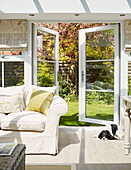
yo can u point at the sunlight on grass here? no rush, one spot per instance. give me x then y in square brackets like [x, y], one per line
[99, 111]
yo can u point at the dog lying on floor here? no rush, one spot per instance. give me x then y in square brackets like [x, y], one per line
[110, 132]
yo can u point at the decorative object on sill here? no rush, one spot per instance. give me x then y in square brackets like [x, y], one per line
[13, 34]
[128, 35]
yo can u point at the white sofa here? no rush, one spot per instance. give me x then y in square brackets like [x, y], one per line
[38, 132]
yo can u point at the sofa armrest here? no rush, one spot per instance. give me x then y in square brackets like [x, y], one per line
[57, 108]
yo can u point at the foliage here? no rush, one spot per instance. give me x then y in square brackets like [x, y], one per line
[48, 52]
[68, 39]
[67, 89]
[129, 85]
[100, 98]
[69, 45]
[44, 77]
[100, 46]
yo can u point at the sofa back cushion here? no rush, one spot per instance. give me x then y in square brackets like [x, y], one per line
[40, 101]
[14, 92]
[24, 121]
[10, 103]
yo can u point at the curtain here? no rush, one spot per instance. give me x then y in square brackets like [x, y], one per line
[13, 35]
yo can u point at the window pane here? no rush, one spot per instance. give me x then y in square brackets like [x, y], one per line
[100, 75]
[45, 46]
[100, 105]
[13, 73]
[45, 59]
[129, 78]
[100, 45]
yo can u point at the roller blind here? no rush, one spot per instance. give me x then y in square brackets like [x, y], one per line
[13, 34]
[128, 35]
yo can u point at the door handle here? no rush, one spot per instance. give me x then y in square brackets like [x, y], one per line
[82, 75]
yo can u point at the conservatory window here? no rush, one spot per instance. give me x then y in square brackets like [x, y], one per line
[11, 68]
[13, 41]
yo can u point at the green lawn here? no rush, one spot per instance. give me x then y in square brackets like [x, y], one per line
[99, 111]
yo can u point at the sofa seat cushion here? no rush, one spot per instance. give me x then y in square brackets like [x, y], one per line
[24, 121]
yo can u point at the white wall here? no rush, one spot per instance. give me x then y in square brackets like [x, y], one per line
[65, 6]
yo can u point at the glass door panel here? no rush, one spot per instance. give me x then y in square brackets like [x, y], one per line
[100, 75]
[99, 70]
[45, 56]
[100, 105]
[45, 59]
[100, 45]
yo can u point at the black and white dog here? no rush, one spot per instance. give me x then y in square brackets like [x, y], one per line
[111, 132]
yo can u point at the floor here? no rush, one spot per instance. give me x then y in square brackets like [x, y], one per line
[79, 150]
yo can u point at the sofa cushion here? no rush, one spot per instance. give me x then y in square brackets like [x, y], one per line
[13, 90]
[40, 101]
[24, 121]
[10, 103]
[29, 88]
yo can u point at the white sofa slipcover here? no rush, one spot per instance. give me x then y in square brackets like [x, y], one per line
[26, 120]
[40, 137]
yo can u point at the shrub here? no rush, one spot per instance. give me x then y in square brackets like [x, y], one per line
[44, 77]
[67, 89]
[100, 97]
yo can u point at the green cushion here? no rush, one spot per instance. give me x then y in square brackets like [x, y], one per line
[40, 101]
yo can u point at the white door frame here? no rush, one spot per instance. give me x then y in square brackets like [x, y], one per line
[35, 28]
[82, 74]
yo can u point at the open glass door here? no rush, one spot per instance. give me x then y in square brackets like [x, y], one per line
[99, 74]
[45, 56]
